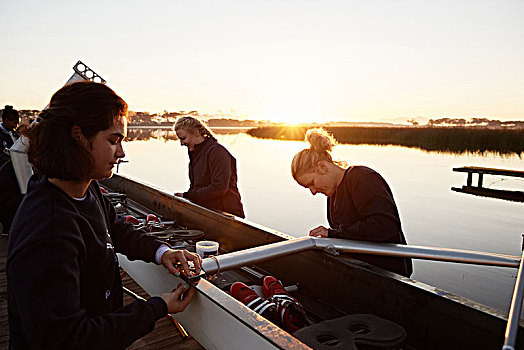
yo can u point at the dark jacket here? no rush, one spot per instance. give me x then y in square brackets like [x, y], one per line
[6, 142]
[213, 177]
[10, 195]
[64, 286]
[362, 208]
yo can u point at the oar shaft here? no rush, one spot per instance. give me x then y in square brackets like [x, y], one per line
[419, 252]
[253, 255]
[514, 311]
[249, 256]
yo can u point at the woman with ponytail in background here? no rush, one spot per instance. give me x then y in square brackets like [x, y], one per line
[212, 169]
[360, 203]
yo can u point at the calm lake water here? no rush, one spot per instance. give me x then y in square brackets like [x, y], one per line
[421, 182]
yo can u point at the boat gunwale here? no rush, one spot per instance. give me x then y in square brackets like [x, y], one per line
[165, 203]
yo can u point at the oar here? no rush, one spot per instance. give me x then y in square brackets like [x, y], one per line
[270, 251]
[514, 311]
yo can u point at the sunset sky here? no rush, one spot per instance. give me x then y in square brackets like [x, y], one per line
[280, 60]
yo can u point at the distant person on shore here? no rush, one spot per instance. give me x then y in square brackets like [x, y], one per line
[8, 134]
[63, 279]
[360, 203]
[10, 196]
[212, 169]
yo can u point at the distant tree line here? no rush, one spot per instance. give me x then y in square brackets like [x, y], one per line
[164, 119]
[169, 118]
[144, 134]
[220, 122]
[473, 122]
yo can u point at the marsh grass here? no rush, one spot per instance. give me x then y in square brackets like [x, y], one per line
[452, 139]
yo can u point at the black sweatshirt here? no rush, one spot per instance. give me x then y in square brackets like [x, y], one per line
[6, 142]
[64, 286]
[213, 177]
[10, 195]
[362, 208]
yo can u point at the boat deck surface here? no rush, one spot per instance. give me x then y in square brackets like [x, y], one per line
[164, 336]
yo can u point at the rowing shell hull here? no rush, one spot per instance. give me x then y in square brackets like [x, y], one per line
[213, 318]
[433, 318]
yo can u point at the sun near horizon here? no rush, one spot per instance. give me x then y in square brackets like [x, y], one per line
[293, 62]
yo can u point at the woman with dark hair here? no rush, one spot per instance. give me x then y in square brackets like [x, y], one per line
[64, 284]
[360, 203]
[8, 134]
[212, 169]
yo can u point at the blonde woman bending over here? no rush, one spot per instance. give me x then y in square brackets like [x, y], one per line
[212, 169]
[360, 203]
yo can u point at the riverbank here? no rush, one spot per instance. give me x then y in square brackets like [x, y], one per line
[455, 140]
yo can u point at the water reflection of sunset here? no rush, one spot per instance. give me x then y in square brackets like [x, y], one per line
[421, 182]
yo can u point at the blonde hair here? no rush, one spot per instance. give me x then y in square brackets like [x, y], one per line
[194, 126]
[321, 145]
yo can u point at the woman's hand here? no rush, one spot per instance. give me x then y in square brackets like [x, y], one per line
[320, 231]
[174, 301]
[172, 256]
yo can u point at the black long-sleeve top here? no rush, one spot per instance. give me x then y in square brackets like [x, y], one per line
[362, 208]
[10, 195]
[64, 285]
[6, 142]
[213, 178]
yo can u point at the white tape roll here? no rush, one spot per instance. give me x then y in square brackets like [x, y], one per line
[207, 248]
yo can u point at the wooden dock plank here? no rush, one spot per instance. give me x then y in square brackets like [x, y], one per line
[165, 335]
[490, 171]
[479, 190]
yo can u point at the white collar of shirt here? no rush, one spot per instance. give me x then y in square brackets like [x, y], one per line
[7, 131]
